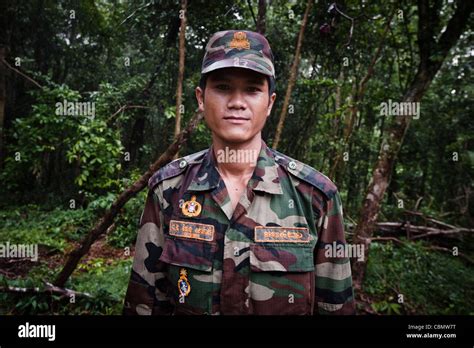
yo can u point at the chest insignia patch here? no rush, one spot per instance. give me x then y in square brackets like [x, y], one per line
[265, 234]
[193, 230]
[184, 287]
[191, 208]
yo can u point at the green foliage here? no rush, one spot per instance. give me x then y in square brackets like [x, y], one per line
[430, 282]
[14, 304]
[36, 137]
[30, 225]
[386, 307]
[104, 279]
[127, 223]
[98, 148]
[101, 278]
[96, 152]
[104, 283]
[89, 143]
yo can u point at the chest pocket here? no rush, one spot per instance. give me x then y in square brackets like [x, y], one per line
[190, 272]
[281, 278]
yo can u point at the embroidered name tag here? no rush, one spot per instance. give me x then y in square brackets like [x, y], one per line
[264, 234]
[193, 230]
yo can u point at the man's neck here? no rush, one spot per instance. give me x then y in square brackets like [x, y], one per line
[237, 160]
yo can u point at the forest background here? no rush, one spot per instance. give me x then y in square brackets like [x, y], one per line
[73, 183]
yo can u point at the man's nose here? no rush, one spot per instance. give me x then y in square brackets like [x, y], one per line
[237, 100]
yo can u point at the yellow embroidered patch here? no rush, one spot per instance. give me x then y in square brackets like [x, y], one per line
[184, 287]
[265, 234]
[193, 230]
[191, 208]
[240, 41]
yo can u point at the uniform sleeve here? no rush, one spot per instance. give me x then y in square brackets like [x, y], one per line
[333, 278]
[147, 289]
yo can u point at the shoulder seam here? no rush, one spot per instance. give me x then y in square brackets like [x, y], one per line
[283, 160]
[173, 168]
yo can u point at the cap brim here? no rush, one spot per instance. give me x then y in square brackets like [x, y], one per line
[231, 63]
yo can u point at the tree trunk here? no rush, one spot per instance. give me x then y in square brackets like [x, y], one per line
[3, 97]
[179, 88]
[261, 17]
[432, 55]
[292, 79]
[108, 218]
[6, 13]
[139, 125]
[136, 140]
[357, 96]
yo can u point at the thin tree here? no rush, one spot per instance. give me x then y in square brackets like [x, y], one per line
[357, 97]
[3, 98]
[261, 17]
[182, 51]
[292, 79]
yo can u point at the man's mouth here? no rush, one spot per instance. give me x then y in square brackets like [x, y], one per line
[236, 119]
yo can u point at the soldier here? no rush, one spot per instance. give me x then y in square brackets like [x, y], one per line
[239, 228]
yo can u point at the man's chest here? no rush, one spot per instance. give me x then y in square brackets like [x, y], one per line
[249, 258]
[235, 189]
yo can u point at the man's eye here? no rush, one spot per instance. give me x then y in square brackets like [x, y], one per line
[253, 89]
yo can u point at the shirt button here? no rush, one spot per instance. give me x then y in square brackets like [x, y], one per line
[292, 165]
[183, 164]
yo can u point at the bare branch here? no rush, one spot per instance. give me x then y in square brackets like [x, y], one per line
[249, 3]
[49, 288]
[22, 74]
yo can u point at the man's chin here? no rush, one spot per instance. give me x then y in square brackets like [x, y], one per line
[236, 138]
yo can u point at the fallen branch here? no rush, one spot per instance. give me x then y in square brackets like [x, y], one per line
[432, 247]
[387, 239]
[438, 248]
[429, 219]
[425, 231]
[435, 232]
[22, 259]
[49, 288]
[8, 274]
[108, 218]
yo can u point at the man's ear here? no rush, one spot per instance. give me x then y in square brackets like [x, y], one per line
[200, 98]
[270, 103]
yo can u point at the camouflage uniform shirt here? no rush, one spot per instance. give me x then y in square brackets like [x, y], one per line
[265, 257]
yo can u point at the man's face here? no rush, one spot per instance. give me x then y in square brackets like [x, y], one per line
[236, 104]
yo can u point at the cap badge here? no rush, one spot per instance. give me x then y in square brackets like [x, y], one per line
[240, 41]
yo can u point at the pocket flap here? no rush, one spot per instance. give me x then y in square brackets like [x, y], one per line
[188, 253]
[287, 258]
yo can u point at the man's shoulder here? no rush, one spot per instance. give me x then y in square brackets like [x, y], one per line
[306, 173]
[175, 168]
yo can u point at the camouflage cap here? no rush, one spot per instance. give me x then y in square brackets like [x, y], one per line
[238, 49]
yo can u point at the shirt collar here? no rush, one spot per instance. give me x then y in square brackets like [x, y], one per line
[264, 178]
